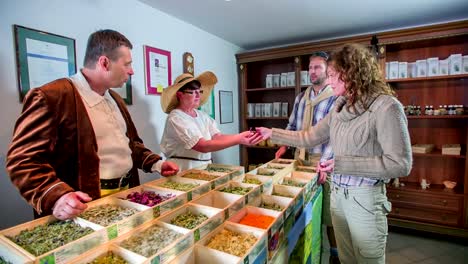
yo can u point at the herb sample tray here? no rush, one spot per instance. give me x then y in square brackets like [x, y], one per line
[249, 191]
[174, 182]
[222, 169]
[275, 232]
[228, 202]
[311, 185]
[267, 182]
[257, 253]
[178, 198]
[195, 255]
[297, 194]
[103, 251]
[10, 254]
[277, 203]
[116, 227]
[185, 217]
[61, 254]
[215, 179]
[162, 241]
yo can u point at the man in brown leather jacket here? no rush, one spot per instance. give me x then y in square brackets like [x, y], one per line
[75, 137]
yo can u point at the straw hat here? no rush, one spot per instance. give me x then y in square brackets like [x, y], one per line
[169, 99]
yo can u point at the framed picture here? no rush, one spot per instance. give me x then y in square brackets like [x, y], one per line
[225, 107]
[125, 91]
[42, 57]
[157, 69]
[209, 106]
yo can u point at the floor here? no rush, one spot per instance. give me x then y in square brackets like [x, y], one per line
[404, 246]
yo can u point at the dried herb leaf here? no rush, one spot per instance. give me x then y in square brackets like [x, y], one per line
[189, 220]
[109, 258]
[232, 243]
[107, 214]
[150, 241]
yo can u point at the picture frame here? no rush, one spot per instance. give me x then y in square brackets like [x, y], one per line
[209, 106]
[126, 91]
[226, 114]
[157, 69]
[42, 57]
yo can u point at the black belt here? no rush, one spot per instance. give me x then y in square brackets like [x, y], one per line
[109, 184]
[189, 158]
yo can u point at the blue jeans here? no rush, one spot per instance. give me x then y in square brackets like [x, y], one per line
[359, 217]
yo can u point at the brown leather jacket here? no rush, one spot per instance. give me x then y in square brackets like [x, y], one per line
[54, 149]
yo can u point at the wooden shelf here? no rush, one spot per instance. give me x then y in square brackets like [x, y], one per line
[270, 89]
[433, 189]
[443, 77]
[437, 116]
[267, 118]
[438, 153]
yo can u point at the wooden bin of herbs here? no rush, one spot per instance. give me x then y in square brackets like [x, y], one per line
[234, 243]
[108, 253]
[294, 193]
[311, 183]
[196, 255]
[156, 241]
[215, 179]
[49, 240]
[299, 182]
[269, 220]
[285, 205]
[232, 171]
[192, 188]
[228, 202]
[248, 191]
[117, 216]
[197, 218]
[160, 200]
[265, 182]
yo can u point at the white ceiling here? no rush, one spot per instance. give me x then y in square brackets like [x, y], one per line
[254, 24]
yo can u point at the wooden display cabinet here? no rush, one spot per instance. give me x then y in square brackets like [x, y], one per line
[435, 209]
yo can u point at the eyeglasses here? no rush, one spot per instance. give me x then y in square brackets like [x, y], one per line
[322, 54]
[193, 92]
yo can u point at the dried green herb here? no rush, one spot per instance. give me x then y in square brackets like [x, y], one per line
[189, 220]
[217, 169]
[109, 258]
[252, 181]
[265, 172]
[236, 190]
[200, 176]
[271, 206]
[269, 166]
[4, 261]
[150, 241]
[232, 243]
[107, 214]
[310, 170]
[44, 238]
[179, 186]
[283, 194]
[289, 182]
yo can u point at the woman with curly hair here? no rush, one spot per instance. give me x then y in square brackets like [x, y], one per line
[371, 144]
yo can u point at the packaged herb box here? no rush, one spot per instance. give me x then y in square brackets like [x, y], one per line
[156, 241]
[59, 230]
[252, 249]
[222, 170]
[269, 220]
[108, 253]
[200, 219]
[192, 188]
[178, 198]
[116, 215]
[249, 191]
[266, 182]
[229, 203]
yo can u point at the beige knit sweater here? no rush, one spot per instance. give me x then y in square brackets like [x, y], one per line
[373, 143]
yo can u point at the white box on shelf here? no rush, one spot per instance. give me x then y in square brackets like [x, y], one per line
[433, 66]
[250, 110]
[284, 109]
[422, 68]
[465, 64]
[284, 79]
[268, 109]
[291, 78]
[403, 69]
[455, 64]
[304, 77]
[269, 81]
[412, 70]
[387, 69]
[258, 109]
[393, 72]
[444, 67]
[276, 109]
[276, 80]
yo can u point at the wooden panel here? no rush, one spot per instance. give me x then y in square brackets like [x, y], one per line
[425, 215]
[451, 203]
[258, 71]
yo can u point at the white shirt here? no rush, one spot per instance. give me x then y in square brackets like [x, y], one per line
[182, 132]
[109, 128]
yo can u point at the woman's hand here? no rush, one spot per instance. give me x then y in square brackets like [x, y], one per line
[265, 132]
[250, 138]
[323, 169]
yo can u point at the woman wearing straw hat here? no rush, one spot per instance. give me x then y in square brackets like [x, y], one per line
[191, 135]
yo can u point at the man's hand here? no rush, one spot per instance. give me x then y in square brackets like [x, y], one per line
[169, 168]
[280, 152]
[70, 205]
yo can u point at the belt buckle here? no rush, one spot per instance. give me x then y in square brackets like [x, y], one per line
[125, 177]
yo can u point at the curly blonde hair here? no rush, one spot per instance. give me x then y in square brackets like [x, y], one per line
[361, 73]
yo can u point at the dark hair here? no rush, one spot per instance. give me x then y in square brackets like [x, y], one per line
[321, 54]
[360, 71]
[193, 85]
[104, 42]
